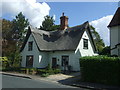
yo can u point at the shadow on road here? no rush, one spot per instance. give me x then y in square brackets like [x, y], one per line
[70, 81]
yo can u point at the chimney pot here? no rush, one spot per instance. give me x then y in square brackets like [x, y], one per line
[63, 14]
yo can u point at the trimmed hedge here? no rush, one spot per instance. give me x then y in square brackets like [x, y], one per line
[100, 69]
[11, 69]
[50, 71]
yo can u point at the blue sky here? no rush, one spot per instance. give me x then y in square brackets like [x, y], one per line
[99, 14]
[79, 12]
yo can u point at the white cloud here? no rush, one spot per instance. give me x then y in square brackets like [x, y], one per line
[32, 10]
[101, 27]
[54, 17]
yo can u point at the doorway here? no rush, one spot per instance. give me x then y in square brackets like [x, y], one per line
[54, 62]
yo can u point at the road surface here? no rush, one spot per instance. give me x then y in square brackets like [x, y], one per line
[19, 82]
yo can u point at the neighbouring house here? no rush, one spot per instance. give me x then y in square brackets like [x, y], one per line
[114, 27]
[60, 48]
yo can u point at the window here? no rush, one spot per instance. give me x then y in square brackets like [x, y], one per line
[85, 43]
[29, 61]
[65, 60]
[30, 46]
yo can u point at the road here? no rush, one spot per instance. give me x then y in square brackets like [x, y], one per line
[19, 82]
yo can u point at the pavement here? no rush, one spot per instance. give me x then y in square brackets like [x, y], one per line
[72, 79]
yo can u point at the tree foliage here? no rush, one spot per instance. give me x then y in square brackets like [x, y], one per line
[97, 39]
[48, 24]
[13, 33]
[8, 43]
[19, 25]
[106, 51]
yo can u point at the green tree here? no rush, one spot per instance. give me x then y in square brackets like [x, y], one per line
[106, 51]
[13, 35]
[19, 27]
[19, 32]
[48, 24]
[98, 41]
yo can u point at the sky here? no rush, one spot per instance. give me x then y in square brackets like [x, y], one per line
[99, 14]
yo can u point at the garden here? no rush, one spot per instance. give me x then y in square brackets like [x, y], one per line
[6, 67]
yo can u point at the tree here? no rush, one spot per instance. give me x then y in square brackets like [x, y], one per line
[19, 25]
[8, 42]
[106, 51]
[98, 41]
[12, 38]
[48, 24]
[19, 31]
[6, 28]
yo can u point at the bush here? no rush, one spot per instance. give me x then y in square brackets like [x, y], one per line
[16, 69]
[4, 62]
[100, 69]
[48, 71]
[56, 71]
[45, 75]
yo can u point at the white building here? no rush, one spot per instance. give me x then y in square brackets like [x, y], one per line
[114, 27]
[58, 48]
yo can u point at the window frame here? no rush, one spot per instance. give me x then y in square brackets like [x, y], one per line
[30, 46]
[64, 56]
[85, 43]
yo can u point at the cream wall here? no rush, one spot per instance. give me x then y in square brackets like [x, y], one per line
[73, 58]
[90, 50]
[40, 59]
[114, 39]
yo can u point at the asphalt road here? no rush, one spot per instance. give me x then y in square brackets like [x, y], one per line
[19, 82]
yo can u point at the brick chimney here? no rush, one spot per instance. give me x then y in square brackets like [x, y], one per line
[63, 22]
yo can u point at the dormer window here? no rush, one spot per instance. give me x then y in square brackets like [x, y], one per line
[85, 43]
[30, 46]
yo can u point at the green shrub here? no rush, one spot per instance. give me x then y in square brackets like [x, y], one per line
[15, 69]
[48, 67]
[56, 71]
[100, 69]
[4, 62]
[50, 71]
[45, 75]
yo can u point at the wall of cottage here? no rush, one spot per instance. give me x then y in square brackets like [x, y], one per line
[90, 50]
[73, 59]
[40, 59]
[114, 39]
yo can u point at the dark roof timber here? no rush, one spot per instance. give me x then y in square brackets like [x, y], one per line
[61, 40]
[116, 19]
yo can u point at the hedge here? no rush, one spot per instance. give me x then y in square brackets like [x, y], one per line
[4, 62]
[100, 69]
[50, 71]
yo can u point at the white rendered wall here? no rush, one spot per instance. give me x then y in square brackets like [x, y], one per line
[39, 58]
[90, 50]
[73, 58]
[114, 39]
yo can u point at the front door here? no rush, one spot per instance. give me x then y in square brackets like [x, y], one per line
[54, 62]
[29, 61]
